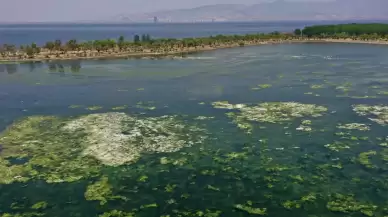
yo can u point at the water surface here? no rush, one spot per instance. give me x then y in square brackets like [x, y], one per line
[275, 167]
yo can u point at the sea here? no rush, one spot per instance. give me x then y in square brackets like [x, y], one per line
[273, 130]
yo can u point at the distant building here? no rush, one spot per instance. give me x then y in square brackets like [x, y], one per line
[156, 19]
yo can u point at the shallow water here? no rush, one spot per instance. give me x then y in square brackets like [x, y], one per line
[274, 167]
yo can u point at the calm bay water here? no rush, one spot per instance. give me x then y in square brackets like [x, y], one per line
[275, 167]
[41, 33]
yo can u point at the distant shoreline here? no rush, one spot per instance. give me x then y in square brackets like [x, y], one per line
[74, 55]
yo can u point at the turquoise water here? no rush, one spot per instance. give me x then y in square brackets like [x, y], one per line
[275, 167]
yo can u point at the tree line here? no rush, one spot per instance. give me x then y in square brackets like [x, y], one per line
[138, 41]
[353, 29]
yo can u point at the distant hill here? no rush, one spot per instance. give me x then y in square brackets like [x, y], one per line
[268, 11]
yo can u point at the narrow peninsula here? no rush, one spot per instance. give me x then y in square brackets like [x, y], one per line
[145, 46]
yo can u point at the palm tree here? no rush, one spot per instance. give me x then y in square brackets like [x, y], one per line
[50, 45]
[57, 44]
[72, 44]
[121, 42]
[30, 52]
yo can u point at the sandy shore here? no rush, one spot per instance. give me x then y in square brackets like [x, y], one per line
[80, 55]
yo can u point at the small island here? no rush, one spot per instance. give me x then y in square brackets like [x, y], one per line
[144, 45]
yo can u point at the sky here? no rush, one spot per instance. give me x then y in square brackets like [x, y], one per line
[86, 10]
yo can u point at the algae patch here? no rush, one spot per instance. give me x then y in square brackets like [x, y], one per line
[274, 112]
[251, 210]
[94, 108]
[50, 153]
[271, 112]
[69, 149]
[101, 191]
[117, 138]
[262, 86]
[378, 112]
[348, 204]
[117, 213]
[354, 126]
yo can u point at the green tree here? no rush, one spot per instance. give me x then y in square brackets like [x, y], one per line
[72, 44]
[57, 44]
[49, 45]
[97, 44]
[298, 32]
[30, 52]
[9, 48]
[35, 48]
[121, 42]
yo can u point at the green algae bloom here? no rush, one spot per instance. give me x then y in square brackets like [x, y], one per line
[169, 188]
[337, 146]
[164, 160]
[152, 205]
[240, 122]
[75, 106]
[94, 108]
[309, 198]
[101, 191]
[117, 213]
[201, 118]
[382, 92]
[354, 126]
[384, 144]
[226, 105]
[109, 138]
[304, 128]
[348, 204]
[42, 141]
[316, 86]
[270, 112]
[274, 112]
[379, 113]
[12, 173]
[262, 86]
[25, 214]
[306, 122]
[116, 138]
[145, 106]
[364, 159]
[384, 154]
[251, 210]
[40, 205]
[119, 107]
[142, 178]
[193, 213]
[210, 187]
[292, 204]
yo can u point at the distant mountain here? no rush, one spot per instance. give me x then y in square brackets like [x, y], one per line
[267, 11]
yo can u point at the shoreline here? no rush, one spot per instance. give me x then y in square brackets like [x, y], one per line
[74, 55]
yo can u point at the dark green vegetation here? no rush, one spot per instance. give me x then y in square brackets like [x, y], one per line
[361, 31]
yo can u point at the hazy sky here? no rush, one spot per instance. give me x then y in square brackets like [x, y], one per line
[76, 10]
